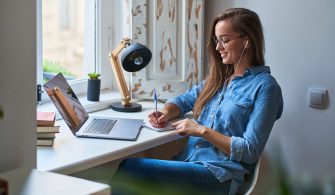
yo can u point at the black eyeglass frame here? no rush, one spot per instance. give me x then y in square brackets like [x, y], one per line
[223, 42]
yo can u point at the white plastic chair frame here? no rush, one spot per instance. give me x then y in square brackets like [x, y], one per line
[254, 178]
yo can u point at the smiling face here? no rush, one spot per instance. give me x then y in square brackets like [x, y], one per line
[230, 43]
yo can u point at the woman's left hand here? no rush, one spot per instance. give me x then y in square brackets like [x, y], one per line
[189, 127]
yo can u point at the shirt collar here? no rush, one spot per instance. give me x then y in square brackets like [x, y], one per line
[258, 69]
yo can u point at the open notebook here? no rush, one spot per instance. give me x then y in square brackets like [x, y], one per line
[167, 127]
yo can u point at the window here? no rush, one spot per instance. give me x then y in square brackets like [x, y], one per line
[63, 35]
[74, 37]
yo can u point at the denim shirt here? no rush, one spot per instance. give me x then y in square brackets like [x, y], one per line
[245, 111]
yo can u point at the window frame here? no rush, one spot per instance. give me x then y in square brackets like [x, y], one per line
[105, 17]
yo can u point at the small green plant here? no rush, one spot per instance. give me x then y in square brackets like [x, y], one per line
[94, 75]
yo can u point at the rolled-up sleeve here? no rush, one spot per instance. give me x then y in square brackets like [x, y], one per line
[186, 101]
[267, 109]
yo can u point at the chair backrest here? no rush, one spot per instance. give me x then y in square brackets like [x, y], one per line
[254, 178]
[250, 181]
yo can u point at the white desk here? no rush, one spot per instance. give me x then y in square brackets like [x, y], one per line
[71, 154]
[34, 182]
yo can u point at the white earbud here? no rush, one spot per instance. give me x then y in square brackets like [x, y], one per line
[246, 44]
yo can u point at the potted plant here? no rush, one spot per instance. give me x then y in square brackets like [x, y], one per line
[93, 87]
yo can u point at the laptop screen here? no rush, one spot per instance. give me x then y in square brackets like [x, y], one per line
[66, 102]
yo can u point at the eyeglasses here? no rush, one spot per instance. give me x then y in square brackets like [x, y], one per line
[222, 41]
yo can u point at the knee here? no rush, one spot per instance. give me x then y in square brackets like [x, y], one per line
[134, 166]
[129, 163]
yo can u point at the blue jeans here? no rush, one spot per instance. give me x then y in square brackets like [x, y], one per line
[153, 176]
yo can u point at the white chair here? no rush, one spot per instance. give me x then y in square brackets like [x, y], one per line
[250, 181]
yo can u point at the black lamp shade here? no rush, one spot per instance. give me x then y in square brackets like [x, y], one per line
[135, 57]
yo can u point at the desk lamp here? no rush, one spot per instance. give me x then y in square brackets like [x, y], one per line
[134, 57]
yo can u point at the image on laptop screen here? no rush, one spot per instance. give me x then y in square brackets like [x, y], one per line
[78, 114]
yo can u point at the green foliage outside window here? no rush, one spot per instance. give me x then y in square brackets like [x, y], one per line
[55, 67]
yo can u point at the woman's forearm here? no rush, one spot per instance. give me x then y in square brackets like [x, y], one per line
[171, 111]
[222, 142]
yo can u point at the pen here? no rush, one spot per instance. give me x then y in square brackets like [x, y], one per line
[155, 101]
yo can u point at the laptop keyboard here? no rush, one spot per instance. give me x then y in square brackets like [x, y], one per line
[100, 126]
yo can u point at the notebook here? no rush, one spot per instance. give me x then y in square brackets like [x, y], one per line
[78, 120]
[168, 126]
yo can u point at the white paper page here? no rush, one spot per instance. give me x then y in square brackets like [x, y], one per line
[167, 126]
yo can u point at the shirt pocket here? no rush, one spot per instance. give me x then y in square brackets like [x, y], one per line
[236, 108]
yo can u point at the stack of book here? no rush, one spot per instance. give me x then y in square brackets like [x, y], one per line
[47, 128]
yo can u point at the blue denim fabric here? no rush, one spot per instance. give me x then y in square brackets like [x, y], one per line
[246, 110]
[182, 177]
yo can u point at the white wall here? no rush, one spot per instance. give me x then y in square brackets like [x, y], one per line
[300, 49]
[17, 84]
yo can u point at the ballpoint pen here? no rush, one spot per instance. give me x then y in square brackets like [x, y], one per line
[155, 101]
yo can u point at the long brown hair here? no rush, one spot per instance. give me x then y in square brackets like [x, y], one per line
[246, 23]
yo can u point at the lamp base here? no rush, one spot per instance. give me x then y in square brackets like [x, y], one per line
[135, 107]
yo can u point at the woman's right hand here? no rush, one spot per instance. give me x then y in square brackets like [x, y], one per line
[157, 119]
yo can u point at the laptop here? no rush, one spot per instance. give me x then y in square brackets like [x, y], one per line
[77, 119]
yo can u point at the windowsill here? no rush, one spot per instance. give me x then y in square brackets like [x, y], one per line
[106, 98]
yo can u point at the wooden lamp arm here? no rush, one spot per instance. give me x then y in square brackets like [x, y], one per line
[121, 81]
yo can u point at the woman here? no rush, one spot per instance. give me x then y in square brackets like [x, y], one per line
[234, 109]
